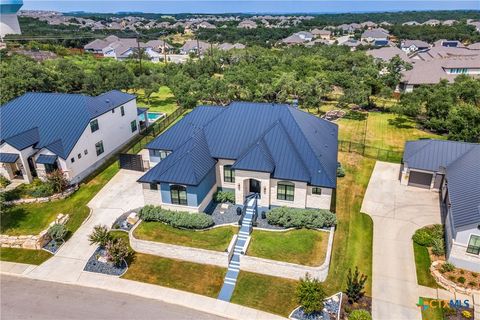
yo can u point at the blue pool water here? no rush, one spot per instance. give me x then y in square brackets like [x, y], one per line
[152, 116]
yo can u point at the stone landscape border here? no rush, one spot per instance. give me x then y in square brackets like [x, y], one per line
[56, 196]
[217, 258]
[448, 284]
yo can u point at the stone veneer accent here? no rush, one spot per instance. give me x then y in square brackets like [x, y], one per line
[33, 242]
[449, 285]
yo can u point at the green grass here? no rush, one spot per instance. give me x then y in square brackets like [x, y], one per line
[271, 294]
[161, 101]
[432, 313]
[306, 247]
[35, 257]
[193, 277]
[422, 265]
[216, 239]
[352, 244]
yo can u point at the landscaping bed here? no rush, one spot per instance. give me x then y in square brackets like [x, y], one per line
[428, 245]
[99, 265]
[303, 246]
[459, 277]
[330, 312]
[216, 239]
[52, 246]
[365, 303]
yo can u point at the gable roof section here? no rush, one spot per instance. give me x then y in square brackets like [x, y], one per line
[463, 177]
[433, 155]
[53, 120]
[265, 137]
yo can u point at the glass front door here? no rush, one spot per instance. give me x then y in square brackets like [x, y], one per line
[254, 186]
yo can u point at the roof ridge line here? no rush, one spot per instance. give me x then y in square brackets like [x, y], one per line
[473, 147]
[333, 181]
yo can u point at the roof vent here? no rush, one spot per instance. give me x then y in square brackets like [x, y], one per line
[107, 100]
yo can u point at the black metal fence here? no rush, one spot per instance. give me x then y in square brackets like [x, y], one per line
[370, 152]
[155, 129]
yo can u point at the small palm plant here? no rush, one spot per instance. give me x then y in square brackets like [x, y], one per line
[100, 235]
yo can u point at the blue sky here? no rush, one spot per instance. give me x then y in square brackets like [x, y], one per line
[246, 6]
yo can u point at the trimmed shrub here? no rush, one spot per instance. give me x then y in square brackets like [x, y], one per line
[340, 172]
[176, 219]
[117, 251]
[447, 266]
[461, 279]
[427, 235]
[438, 247]
[310, 294]
[57, 181]
[42, 190]
[100, 235]
[360, 315]
[355, 285]
[57, 232]
[4, 181]
[301, 218]
[224, 196]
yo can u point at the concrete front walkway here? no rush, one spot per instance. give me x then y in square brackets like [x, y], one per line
[397, 211]
[120, 194]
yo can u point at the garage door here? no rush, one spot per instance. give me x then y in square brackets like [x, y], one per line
[420, 179]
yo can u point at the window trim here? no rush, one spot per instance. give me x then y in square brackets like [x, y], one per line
[132, 127]
[317, 193]
[475, 249]
[230, 178]
[94, 125]
[177, 190]
[282, 191]
[99, 143]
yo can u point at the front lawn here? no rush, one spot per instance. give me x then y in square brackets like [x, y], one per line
[35, 257]
[271, 294]
[216, 239]
[352, 243]
[422, 265]
[304, 246]
[182, 275]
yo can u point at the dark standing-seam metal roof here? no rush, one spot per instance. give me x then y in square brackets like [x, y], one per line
[8, 157]
[277, 138]
[433, 155]
[463, 179]
[46, 159]
[53, 120]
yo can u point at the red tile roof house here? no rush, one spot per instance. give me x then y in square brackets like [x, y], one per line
[286, 156]
[42, 132]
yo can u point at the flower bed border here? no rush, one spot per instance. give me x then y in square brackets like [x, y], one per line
[56, 196]
[448, 284]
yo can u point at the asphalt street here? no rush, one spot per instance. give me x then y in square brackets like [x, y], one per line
[22, 298]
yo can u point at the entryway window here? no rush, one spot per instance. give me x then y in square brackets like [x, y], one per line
[285, 191]
[474, 244]
[178, 194]
[228, 174]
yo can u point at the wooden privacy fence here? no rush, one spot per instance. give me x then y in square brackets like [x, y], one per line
[370, 152]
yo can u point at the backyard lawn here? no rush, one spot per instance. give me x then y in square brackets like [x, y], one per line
[193, 277]
[271, 294]
[422, 265]
[161, 101]
[35, 257]
[216, 239]
[304, 246]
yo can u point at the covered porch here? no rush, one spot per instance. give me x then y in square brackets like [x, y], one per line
[11, 167]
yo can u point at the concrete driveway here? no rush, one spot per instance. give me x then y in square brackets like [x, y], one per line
[120, 194]
[397, 211]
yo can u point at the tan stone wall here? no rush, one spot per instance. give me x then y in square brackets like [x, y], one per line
[219, 174]
[153, 197]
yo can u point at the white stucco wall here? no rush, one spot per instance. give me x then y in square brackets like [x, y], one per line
[219, 174]
[321, 201]
[299, 197]
[242, 186]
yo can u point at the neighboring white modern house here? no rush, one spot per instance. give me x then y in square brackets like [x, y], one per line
[43, 132]
[411, 46]
[285, 156]
[453, 169]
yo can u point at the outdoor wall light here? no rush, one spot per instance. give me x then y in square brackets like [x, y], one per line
[264, 190]
[239, 187]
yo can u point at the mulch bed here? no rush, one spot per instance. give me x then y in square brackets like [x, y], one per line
[365, 303]
[471, 279]
[456, 314]
[94, 265]
[330, 310]
[52, 246]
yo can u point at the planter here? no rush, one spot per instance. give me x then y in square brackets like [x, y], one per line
[98, 264]
[331, 310]
[448, 284]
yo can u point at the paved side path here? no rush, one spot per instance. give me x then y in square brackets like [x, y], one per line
[397, 211]
[120, 194]
[50, 300]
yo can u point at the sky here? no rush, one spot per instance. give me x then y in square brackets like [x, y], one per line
[246, 6]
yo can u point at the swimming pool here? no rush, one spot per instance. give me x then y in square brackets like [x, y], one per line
[151, 116]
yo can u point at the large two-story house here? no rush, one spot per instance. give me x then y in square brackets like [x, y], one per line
[286, 156]
[43, 132]
[453, 169]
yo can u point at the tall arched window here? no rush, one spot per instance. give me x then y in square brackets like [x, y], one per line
[178, 194]
[285, 191]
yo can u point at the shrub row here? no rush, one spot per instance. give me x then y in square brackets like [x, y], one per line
[224, 196]
[176, 219]
[427, 236]
[301, 218]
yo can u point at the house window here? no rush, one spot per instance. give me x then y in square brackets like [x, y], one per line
[99, 147]
[285, 191]
[228, 174]
[178, 194]
[122, 110]
[85, 151]
[474, 245]
[133, 125]
[317, 190]
[72, 160]
[94, 125]
[49, 168]
[153, 186]
[79, 156]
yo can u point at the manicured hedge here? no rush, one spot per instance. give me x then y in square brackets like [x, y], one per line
[176, 219]
[224, 196]
[301, 218]
[427, 236]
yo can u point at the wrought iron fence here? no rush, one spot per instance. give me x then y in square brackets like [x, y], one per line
[370, 152]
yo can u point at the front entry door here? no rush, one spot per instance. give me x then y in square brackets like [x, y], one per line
[254, 186]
